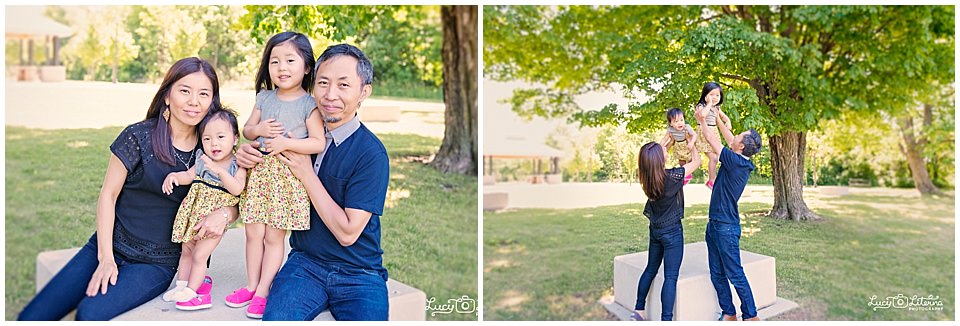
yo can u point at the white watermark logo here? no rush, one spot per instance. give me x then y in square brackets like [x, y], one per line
[914, 303]
[461, 305]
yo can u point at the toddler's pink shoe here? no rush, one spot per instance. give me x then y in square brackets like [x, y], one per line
[239, 298]
[687, 179]
[255, 310]
[201, 301]
[710, 185]
[206, 286]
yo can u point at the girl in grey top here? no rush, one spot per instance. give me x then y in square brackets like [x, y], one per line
[285, 118]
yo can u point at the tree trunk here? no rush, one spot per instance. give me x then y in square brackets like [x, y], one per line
[786, 160]
[116, 56]
[458, 152]
[912, 149]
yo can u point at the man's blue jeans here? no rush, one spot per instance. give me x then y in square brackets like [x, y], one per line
[666, 245]
[723, 252]
[137, 283]
[304, 287]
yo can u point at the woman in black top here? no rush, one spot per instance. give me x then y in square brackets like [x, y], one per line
[664, 208]
[130, 259]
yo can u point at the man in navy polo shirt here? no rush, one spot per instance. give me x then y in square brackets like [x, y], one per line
[338, 263]
[723, 228]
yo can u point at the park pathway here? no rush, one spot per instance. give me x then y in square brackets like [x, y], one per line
[81, 104]
[585, 195]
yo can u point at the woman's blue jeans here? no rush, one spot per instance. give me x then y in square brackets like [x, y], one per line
[137, 283]
[666, 245]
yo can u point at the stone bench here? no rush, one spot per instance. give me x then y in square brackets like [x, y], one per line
[554, 178]
[494, 201]
[696, 297]
[858, 182]
[379, 113]
[489, 180]
[227, 268]
[834, 190]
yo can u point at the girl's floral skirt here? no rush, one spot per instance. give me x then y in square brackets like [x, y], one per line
[275, 197]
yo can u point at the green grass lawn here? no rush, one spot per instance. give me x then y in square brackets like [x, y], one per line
[53, 179]
[542, 264]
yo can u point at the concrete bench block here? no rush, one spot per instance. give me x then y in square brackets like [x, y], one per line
[227, 268]
[53, 73]
[379, 113]
[554, 178]
[834, 190]
[489, 180]
[493, 201]
[696, 297]
[50, 262]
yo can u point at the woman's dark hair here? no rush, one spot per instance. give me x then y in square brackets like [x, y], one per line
[707, 88]
[672, 113]
[305, 50]
[224, 114]
[161, 138]
[650, 170]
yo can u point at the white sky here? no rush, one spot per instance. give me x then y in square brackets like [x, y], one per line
[500, 122]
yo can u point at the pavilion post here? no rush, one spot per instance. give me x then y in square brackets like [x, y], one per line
[22, 60]
[56, 50]
[30, 52]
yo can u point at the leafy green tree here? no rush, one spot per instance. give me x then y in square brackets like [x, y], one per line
[165, 35]
[784, 68]
[940, 150]
[227, 46]
[458, 151]
[103, 42]
[120, 44]
[583, 162]
[618, 152]
[917, 128]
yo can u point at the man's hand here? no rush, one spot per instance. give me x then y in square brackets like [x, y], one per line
[299, 164]
[248, 156]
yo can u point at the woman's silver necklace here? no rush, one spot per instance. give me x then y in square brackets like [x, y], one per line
[188, 160]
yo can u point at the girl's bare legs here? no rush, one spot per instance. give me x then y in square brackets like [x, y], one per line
[255, 233]
[186, 261]
[183, 270]
[713, 166]
[272, 258]
[201, 252]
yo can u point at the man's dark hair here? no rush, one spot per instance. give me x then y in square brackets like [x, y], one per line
[752, 143]
[364, 67]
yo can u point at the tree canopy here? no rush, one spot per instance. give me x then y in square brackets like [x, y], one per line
[783, 67]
